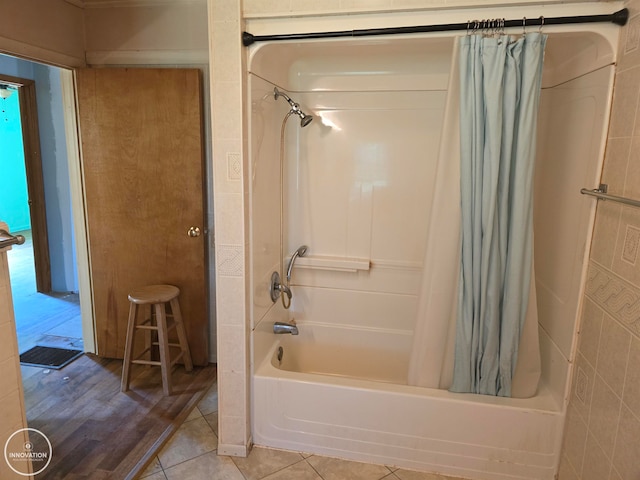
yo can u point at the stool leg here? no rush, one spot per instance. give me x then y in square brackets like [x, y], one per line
[182, 334]
[148, 313]
[165, 358]
[128, 347]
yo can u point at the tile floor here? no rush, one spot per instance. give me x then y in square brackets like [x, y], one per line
[191, 455]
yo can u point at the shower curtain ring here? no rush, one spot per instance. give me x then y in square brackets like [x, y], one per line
[524, 26]
[541, 24]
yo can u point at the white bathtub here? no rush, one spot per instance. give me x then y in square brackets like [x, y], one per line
[331, 395]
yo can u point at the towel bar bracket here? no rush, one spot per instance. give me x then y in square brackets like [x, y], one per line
[601, 194]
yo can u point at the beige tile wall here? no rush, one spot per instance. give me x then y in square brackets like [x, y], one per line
[227, 87]
[602, 436]
[12, 414]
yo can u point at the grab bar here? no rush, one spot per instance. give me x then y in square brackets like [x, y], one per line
[601, 193]
[6, 239]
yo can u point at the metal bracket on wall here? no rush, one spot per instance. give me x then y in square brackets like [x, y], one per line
[601, 194]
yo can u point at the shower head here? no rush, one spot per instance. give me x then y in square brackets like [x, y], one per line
[305, 118]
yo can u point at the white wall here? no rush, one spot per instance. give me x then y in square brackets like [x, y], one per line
[50, 31]
[129, 33]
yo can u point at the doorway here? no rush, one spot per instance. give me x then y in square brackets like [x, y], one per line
[35, 177]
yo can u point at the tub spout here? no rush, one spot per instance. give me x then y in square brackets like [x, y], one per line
[281, 327]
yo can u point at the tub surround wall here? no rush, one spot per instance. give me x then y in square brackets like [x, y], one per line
[366, 228]
[571, 138]
[267, 116]
[602, 433]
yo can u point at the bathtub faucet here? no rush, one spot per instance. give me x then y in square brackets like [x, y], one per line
[276, 288]
[283, 289]
[281, 327]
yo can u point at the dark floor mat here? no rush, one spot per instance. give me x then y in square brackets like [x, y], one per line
[49, 357]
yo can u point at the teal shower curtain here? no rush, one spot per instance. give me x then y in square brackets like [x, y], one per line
[500, 80]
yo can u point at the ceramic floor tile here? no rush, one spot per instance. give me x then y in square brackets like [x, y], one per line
[298, 471]
[413, 475]
[212, 420]
[265, 461]
[195, 413]
[209, 466]
[209, 402]
[153, 467]
[338, 469]
[191, 440]
[155, 476]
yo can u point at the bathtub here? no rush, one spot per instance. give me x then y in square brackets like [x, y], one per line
[342, 392]
[340, 387]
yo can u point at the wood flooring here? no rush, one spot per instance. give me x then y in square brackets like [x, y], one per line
[98, 432]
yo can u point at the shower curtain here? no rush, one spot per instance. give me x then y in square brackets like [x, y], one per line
[431, 362]
[500, 84]
[493, 296]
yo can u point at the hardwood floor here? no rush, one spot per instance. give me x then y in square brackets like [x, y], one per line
[98, 432]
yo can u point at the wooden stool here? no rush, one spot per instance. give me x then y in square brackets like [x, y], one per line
[156, 296]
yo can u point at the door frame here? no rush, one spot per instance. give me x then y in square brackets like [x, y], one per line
[35, 185]
[76, 186]
[35, 182]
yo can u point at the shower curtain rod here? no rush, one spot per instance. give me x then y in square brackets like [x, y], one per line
[619, 18]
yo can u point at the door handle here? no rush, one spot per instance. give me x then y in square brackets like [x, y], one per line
[193, 232]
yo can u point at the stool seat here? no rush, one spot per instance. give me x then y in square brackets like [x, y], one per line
[153, 294]
[154, 300]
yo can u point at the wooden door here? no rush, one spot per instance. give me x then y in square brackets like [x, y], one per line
[142, 156]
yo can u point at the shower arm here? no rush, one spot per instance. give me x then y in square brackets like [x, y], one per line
[305, 118]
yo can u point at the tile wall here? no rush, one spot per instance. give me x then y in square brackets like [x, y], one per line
[231, 240]
[602, 434]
